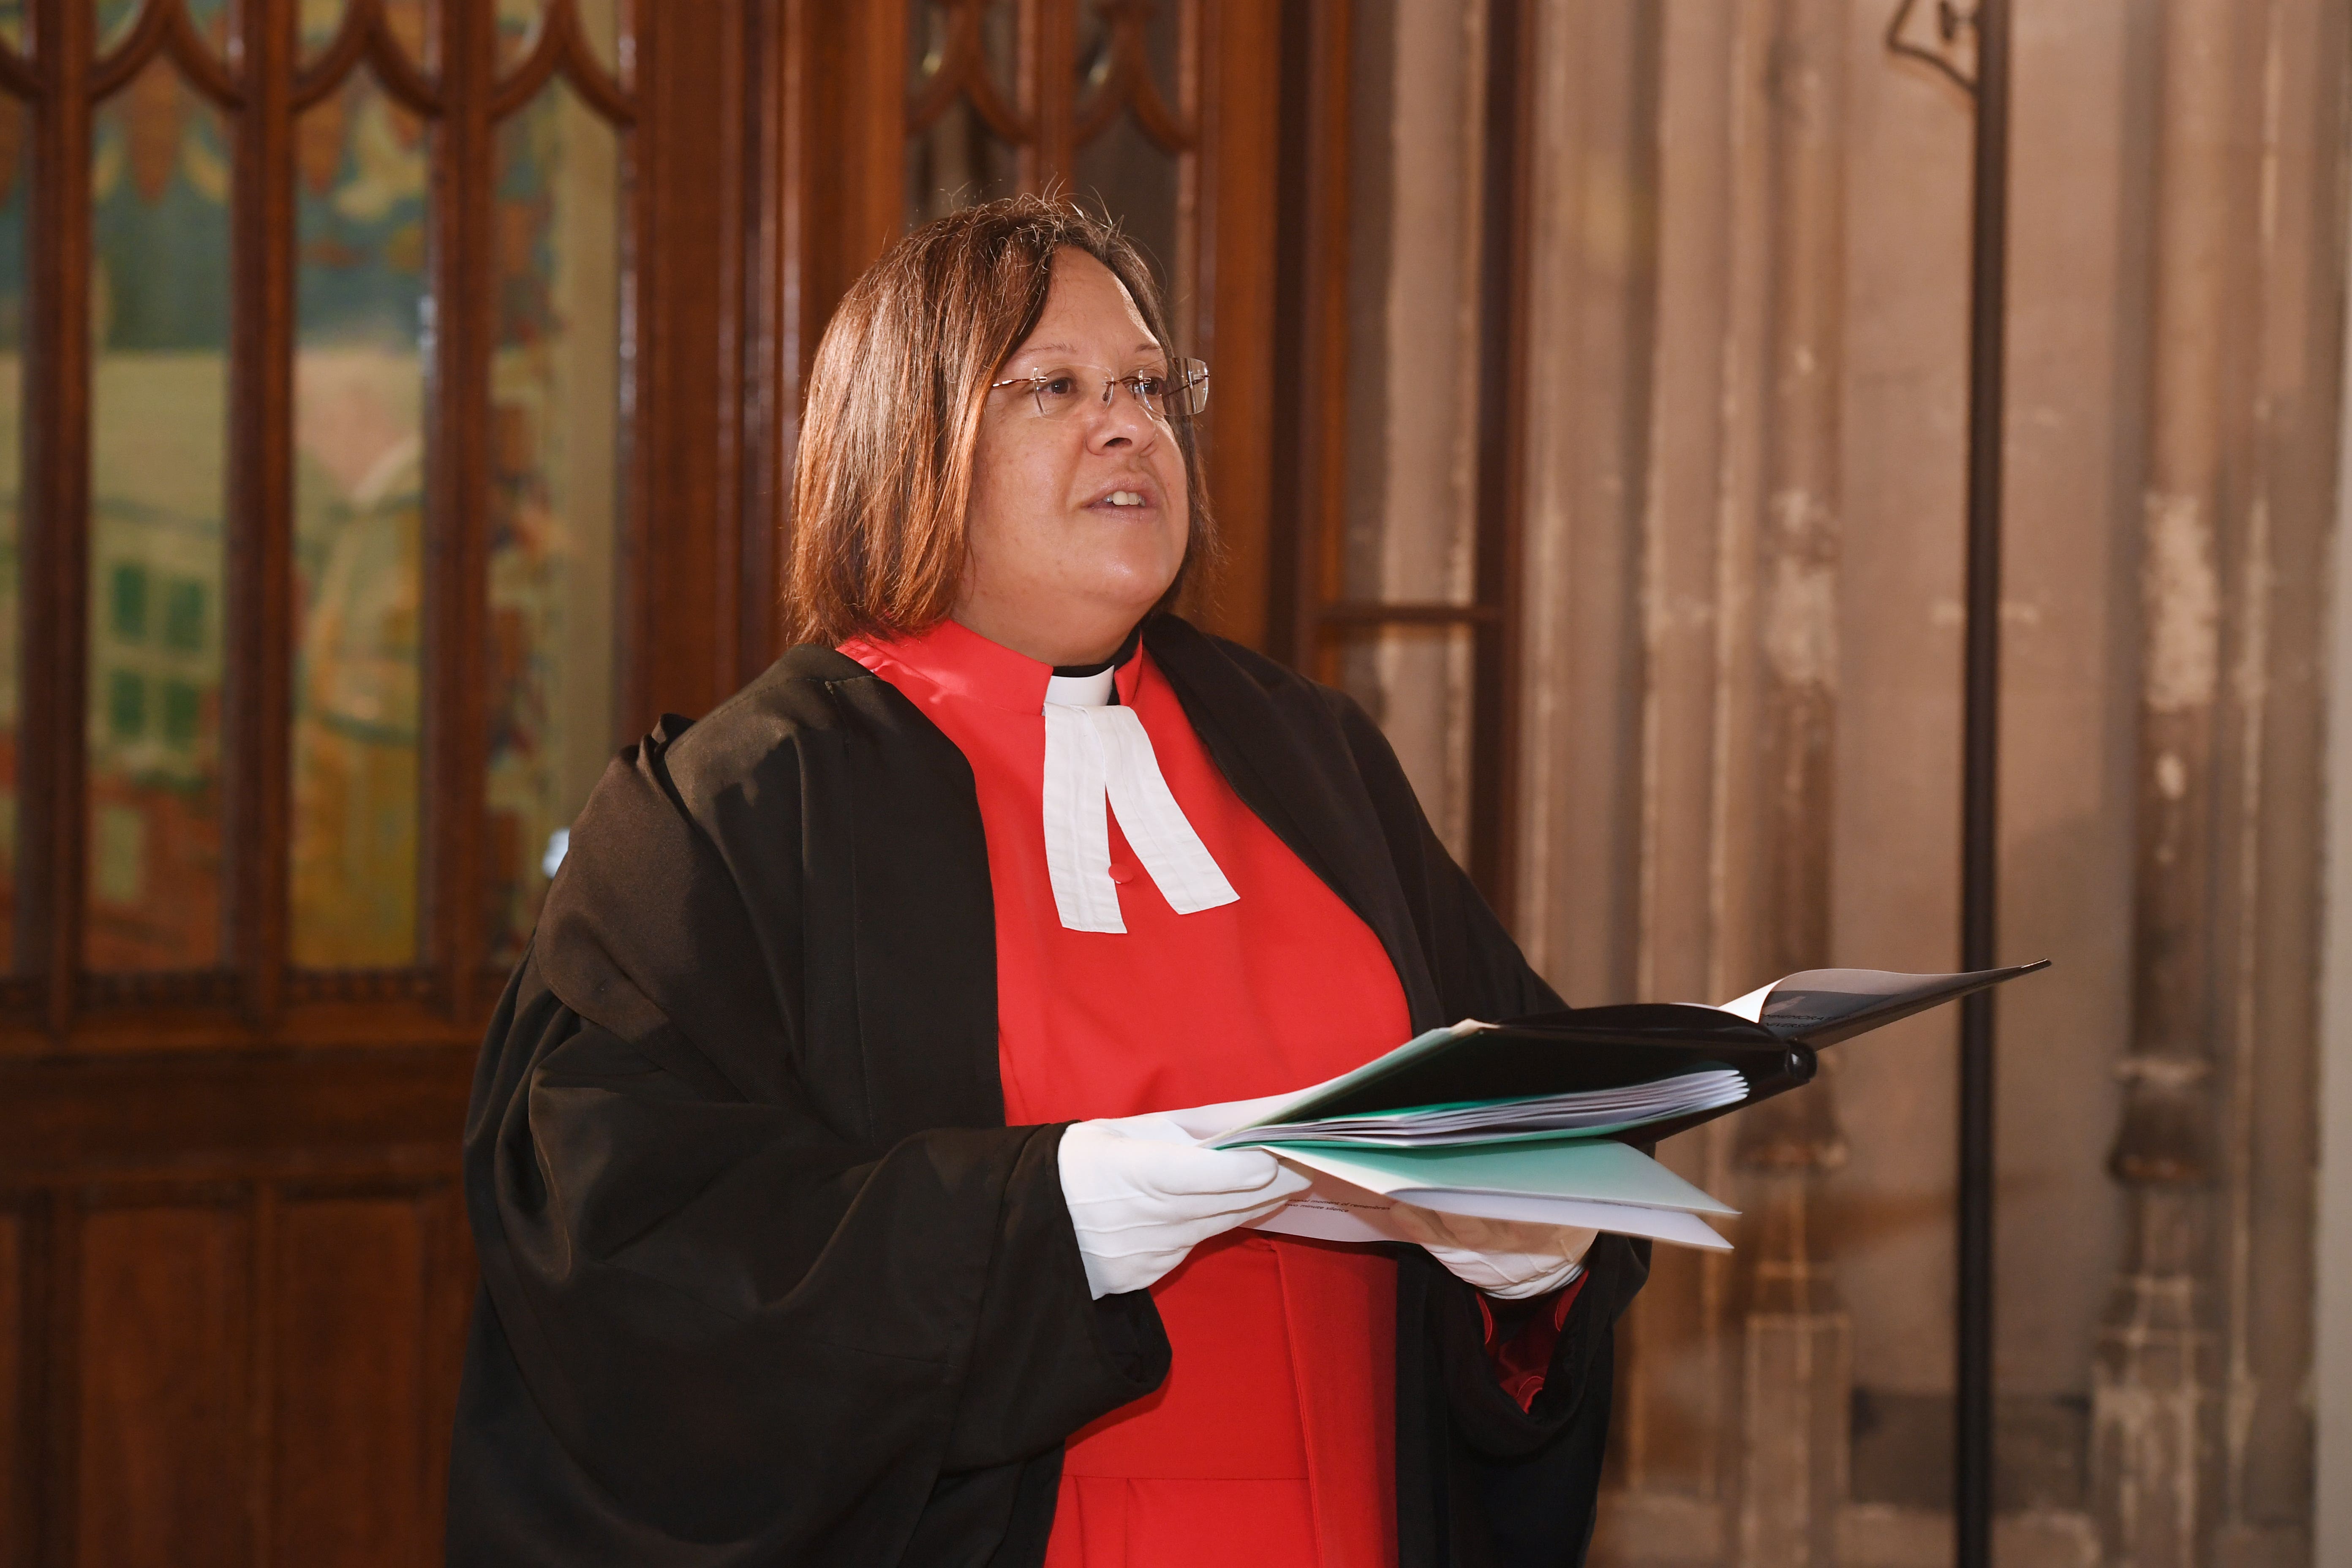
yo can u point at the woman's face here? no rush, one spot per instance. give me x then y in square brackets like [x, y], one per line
[1077, 522]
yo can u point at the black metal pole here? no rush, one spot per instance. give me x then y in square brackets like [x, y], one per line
[1972, 1454]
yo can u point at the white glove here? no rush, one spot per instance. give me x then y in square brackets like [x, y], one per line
[1503, 1257]
[1143, 1194]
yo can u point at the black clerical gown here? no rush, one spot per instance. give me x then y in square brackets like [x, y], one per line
[765, 1278]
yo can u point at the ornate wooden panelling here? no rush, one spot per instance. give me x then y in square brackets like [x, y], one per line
[367, 1312]
[234, 1371]
[234, 1300]
[16, 1406]
[160, 1290]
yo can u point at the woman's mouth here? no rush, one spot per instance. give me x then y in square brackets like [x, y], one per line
[1122, 500]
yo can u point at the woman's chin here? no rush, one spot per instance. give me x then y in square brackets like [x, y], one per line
[1106, 616]
[1123, 577]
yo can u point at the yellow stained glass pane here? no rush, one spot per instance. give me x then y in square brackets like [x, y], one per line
[321, 20]
[603, 22]
[556, 389]
[358, 494]
[12, 24]
[416, 26]
[160, 181]
[15, 173]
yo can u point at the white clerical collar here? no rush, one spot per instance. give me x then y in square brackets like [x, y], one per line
[1093, 691]
[1098, 760]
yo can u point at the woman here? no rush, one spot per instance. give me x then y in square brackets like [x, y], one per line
[822, 1212]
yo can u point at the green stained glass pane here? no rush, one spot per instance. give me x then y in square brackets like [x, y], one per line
[130, 601]
[184, 616]
[16, 128]
[126, 704]
[12, 24]
[161, 195]
[358, 430]
[556, 442]
[183, 714]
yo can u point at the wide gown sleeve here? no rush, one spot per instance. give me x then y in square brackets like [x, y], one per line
[731, 1313]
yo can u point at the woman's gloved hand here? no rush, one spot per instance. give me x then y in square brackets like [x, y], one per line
[1503, 1257]
[1142, 1193]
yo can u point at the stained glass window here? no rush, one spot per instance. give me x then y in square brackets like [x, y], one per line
[558, 462]
[160, 185]
[361, 292]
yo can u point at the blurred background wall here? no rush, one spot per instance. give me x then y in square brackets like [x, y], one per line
[396, 409]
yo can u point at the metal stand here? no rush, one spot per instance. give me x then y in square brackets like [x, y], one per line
[1972, 1452]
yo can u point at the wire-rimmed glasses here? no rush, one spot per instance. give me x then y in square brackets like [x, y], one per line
[1178, 393]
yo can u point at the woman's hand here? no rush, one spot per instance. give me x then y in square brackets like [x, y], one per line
[1503, 1257]
[1143, 1194]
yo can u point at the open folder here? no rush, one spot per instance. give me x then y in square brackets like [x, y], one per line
[1534, 1118]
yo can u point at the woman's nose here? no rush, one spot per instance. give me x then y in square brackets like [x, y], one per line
[1120, 419]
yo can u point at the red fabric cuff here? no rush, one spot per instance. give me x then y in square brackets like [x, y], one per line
[1520, 1363]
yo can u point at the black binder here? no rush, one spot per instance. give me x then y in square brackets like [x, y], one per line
[1641, 1042]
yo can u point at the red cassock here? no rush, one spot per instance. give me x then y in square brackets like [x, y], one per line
[1272, 1440]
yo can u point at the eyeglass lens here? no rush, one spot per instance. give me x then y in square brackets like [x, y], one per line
[1178, 394]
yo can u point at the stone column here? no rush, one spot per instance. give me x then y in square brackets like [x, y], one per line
[2153, 1387]
[1798, 1378]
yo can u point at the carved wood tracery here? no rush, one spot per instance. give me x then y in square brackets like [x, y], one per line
[1124, 80]
[367, 34]
[163, 29]
[19, 77]
[562, 48]
[1128, 82]
[963, 72]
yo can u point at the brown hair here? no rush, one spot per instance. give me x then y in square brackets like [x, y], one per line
[884, 469]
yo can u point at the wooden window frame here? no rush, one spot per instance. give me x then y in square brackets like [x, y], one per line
[252, 995]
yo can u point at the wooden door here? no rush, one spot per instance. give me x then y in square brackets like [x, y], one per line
[397, 400]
